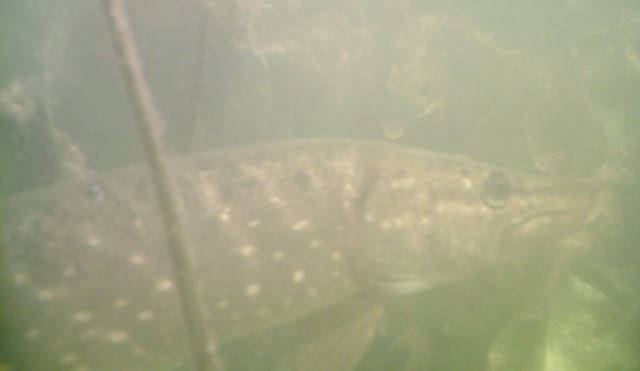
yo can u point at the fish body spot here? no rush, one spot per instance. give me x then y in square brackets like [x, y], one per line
[82, 317]
[210, 196]
[120, 303]
[68, 358]
[222, 304]
[46, 295]
[247, 250]
[97, 193]
[263, 312]
[33, 334]
[274, 200]
[300, 225]
[312, 292]
[164, 285]
[405, 183]
[117, 337]
[348, 187]
[467, 183]
[20, 278]
[252, 290]
[298, 276]
[69, 272]
[288, 303]
[138, 223]
[145, 316]
[225, 215]
[137, 259]
[398, 222]
[93, 240]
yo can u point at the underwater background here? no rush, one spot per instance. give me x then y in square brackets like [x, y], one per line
[549, 86]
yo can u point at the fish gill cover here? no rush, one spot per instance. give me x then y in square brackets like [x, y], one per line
[546, 87]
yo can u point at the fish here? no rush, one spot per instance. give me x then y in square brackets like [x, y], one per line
[279, 233]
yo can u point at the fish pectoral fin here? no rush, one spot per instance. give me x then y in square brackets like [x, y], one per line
[333, 339]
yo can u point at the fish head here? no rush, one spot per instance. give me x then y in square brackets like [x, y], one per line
[440, 219]
[527, 212]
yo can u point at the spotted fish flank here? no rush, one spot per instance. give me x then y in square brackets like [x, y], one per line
[278, 231]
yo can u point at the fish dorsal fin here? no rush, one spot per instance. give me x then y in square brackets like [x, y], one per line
[333, 339]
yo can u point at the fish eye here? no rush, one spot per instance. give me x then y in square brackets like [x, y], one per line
[497, 189]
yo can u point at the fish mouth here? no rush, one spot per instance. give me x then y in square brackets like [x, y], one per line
[565, 219]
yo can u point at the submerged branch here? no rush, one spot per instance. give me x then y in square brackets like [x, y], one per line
[200, 336]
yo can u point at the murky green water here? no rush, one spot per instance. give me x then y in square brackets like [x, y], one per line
[547, 87]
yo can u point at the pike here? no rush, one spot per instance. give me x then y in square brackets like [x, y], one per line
[280, 232]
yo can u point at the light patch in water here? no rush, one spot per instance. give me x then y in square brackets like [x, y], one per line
[254, 223]
[211, 198]
[315, 243]
[252, 290]
[300, 225]
[263, 312]
[46, 295]
[222, 304]
[118, 337]
[405, 183]
[247, 250]
[69, 272]
[145, 316]
[120, 303]
[33, 334]
[274, 200]
[278, 255]
[164, 285]
[348, 187]
[337, 255]
[93, 240]
[298, 276]
[68, 358]
[312, 292]
[98, 193]
[225, 215]
[137, 259]
[369, 218]
[138, 223]
[82, 316]
[467, 183]
[288, 303]
[20, 277]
